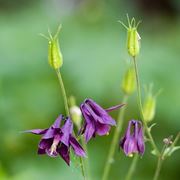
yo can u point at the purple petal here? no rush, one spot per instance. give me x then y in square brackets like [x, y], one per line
[89, 131]
[128, 131]
[41, 151]
[45, 143]
[64, 153]
[66, 130]
[114, 107]
[141, 145]
[122, 141]
[79, 151]
[36, 131]
[57, 122]
[130, 146]
[49, 133]
[102, 129]
[85, 113]
[98, 113]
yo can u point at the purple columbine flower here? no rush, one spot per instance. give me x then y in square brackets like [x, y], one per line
[97, 119]
[133, 141]
[58, 140]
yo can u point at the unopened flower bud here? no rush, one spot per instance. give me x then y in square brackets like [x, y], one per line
[55, 58]
[168, 140]
[129, 81]
[149, 106]
[75, 112]
[133, 38]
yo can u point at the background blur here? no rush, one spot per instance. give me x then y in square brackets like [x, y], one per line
[93, 44]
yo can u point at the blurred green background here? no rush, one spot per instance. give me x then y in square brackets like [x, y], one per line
[93, 44]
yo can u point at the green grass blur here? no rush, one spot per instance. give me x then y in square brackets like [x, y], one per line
[93, 44]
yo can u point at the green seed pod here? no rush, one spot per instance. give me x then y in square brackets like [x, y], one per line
[54, 55]
[149, 108]
[75, 112]
[133, 38]
[129, 81]
[133, 43]
[55, 58]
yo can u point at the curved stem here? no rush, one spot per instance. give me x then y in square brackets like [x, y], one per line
[141, 109]
[113, 145]
[132, 167]
[63, 92]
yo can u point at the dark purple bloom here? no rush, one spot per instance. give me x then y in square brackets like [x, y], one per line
[133, 141]
[97, 119]
[58, 140]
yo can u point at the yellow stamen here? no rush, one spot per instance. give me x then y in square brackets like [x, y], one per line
[130, 155]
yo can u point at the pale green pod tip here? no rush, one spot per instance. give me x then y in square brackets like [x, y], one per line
[129, 81]
[133, 37]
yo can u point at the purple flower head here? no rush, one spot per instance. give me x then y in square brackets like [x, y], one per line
[97, 119]
[58, 140]
[133, 141]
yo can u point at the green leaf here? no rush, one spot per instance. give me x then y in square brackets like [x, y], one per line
[169, 151]
[154, 152]
[152, 125]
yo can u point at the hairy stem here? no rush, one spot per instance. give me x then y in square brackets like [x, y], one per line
[114, 143]
[141, 108]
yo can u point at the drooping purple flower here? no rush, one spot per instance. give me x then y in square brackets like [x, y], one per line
[133, 141]
[97, 119]
[58, 140]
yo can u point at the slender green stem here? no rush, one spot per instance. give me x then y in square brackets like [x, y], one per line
[63, 92]
[113, 145]
[132, 167]
[141, 109]
[159, 163]
[86, 162]
[68, 113]
[82, 168]
[158, 168]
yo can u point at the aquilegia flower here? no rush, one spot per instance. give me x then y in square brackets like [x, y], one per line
[133, 141]
[58, 140]
[97, 119]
